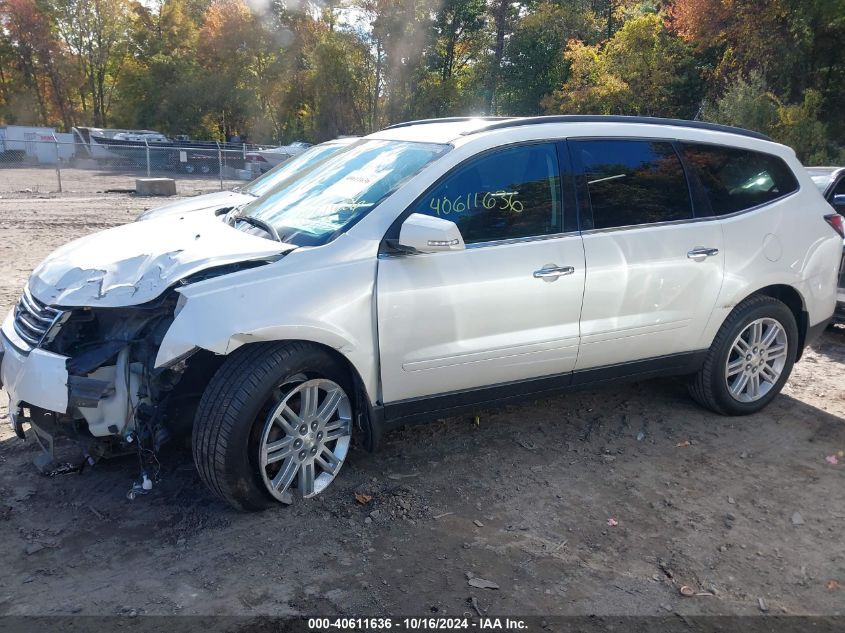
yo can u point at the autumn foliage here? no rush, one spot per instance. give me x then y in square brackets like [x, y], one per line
[280, 70]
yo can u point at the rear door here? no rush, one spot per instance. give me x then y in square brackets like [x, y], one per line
[654, 271]
[504, 309]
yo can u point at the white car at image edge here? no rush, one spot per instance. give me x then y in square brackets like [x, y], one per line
[427, 269]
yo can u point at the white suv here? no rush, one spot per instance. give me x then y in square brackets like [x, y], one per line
[426, 269]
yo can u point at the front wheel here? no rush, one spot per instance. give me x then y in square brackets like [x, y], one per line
[750, 359]
[274, 421]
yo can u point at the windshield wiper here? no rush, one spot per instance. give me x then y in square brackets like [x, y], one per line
[261, 224]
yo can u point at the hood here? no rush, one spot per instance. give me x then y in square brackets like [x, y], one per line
[205, 202]
[134, 263]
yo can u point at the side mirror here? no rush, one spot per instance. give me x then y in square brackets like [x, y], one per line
[427, 234]
[839, 203]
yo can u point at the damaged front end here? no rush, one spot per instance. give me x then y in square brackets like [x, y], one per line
[87, 374]
[77, 352]
[114, 399]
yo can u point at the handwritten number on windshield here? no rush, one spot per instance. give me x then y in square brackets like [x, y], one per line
[502, 200]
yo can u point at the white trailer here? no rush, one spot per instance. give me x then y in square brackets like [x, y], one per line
[42, 145]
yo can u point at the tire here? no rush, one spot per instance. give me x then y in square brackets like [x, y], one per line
[189, 168]
[712, 386]
[240, 411]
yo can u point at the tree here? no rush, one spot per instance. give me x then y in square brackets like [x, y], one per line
[534, 64]
[96, 32]
[591, 87]
[338, 85]
[32, 49]
[643, 69]
[747, 103]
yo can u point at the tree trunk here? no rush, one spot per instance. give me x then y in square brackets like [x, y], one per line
[376, 87]
[500, 17]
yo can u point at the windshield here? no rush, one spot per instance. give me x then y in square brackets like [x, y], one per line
[285, 170]
[314, 205]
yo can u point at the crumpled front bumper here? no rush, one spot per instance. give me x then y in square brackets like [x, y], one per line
[35, 377]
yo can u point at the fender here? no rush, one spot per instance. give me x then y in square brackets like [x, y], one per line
[329, 303]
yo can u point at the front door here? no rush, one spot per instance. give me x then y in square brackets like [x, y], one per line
[506, 308]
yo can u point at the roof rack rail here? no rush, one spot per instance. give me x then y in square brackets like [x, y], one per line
[454, 119]
[595, 118]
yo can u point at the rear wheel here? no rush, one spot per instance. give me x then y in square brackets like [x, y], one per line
[275, 421]
[750, 359]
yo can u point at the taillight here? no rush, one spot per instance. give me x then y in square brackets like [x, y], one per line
[837, 222]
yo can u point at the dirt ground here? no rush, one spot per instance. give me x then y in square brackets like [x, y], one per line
[745, 511]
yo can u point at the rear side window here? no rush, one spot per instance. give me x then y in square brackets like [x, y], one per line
[738, 179]
[633, 182]
[507, 194]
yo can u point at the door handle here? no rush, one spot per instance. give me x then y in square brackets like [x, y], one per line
[700, 254]
[550, 272]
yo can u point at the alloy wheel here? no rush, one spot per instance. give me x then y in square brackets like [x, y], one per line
[305, 439]
[756, 360]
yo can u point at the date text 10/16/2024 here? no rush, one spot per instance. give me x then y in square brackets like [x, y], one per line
[417, 624]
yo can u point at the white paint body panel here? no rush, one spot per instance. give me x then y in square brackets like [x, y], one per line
[477, 317]
[808, 261]
[323, 294]
[644, 297]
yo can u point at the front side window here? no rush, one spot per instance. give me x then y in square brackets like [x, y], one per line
[507, 194]
[313, 206]
[738, 179]
[633, 182]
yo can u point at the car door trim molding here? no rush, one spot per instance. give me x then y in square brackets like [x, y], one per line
[498, 353]
[393, 414]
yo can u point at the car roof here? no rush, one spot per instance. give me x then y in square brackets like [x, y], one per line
[452, 129]
[433, 130]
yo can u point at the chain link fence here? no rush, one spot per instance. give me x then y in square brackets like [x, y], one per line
[53, 166]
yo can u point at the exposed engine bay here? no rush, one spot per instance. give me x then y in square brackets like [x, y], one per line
[118, 401]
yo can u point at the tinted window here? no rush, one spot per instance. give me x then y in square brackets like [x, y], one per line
[737, 179]
[507, 194]
[633, 182]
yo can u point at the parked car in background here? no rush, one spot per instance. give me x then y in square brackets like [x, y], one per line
[831, 182]
[428, 269]
[256, 188]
